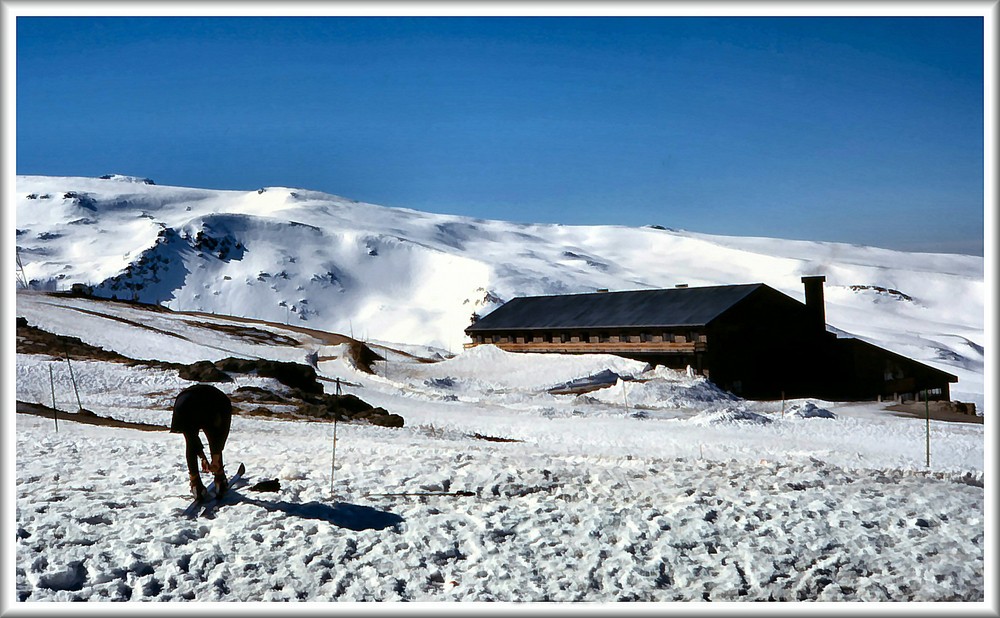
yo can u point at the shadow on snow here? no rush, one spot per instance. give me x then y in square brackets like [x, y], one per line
[342, 514]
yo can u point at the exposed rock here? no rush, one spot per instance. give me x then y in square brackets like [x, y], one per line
[293, 375]
[362, 356]
[203, 371]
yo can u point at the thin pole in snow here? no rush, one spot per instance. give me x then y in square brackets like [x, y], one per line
[55, 411]
[927, 411]
[624, 397]
[73, 379]
[333, 462]
[22, 278]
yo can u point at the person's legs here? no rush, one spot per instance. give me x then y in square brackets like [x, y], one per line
[217, 431]
[193, 450]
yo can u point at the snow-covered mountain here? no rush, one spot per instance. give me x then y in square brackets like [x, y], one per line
[399, 275]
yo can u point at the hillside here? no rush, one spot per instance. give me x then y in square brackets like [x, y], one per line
[396, 275]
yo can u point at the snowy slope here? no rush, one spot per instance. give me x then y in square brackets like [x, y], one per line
[660, 488]
[399, 275]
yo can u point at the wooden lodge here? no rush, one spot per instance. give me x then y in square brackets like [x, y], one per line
[751, 340]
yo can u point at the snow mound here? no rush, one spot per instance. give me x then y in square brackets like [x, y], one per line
[730, 415]
[665, 388]
[810, 410]
[601, 379]
[528, 371]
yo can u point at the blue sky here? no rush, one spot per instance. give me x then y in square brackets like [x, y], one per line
[861, 130]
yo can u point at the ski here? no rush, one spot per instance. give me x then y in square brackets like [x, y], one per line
[211, 499]
[235, 482]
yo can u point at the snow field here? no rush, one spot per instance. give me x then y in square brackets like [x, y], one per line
[539, 527]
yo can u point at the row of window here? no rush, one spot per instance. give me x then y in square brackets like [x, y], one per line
[587, 337]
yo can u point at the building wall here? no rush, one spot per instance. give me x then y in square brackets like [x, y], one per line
[869, 372]
[766, 347]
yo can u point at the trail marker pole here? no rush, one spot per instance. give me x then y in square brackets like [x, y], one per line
[927, 411]
[333, 463]
[73, 379]
[55, 411]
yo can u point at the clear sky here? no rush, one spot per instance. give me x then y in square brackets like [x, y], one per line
[861, 130]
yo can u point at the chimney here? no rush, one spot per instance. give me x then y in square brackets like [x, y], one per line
[814, 301]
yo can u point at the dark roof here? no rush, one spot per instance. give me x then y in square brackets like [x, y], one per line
[640, 308]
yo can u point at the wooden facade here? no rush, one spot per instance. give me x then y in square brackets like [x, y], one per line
[748, 339]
